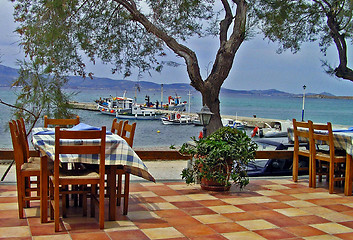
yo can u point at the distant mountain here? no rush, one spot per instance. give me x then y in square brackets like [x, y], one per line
[8, 75]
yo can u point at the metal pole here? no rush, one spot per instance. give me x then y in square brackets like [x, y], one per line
[161, 96]
[303, 103]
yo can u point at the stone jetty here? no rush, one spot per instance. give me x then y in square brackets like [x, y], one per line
[251, 122]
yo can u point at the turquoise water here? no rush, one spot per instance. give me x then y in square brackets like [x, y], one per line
[337, 111]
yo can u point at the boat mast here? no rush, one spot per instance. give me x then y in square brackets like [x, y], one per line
[189, 101]
[161, 95]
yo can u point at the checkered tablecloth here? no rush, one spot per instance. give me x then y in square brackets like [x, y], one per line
[117, 152]
[342, 140]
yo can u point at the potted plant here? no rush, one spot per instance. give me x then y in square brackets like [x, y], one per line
[219, 159]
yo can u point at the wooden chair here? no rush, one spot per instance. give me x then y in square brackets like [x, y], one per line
[117, 126]
[64, 177]
[322, 133]
[24, 171]
[128, 134]
[300, 130]
[60, 122]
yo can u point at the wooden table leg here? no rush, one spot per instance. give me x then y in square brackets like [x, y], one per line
[111, 178]
[348, 178]
[44, 189]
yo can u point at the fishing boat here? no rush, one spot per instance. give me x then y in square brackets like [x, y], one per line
[176, 118]
[139, 113]
[175, 104]
[227, 122]
[273, 129]
[112, 105]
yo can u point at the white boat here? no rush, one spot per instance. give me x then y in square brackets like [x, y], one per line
[139, 113]
[175, 118]
[227, 122]
[112, 105]
[175, 104]
[274, 129]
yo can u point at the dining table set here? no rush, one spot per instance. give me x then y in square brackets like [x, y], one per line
[343, 140]
[118, 154]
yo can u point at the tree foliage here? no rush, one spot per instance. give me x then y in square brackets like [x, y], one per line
[291, 23]
[134, 34]
[41, 94]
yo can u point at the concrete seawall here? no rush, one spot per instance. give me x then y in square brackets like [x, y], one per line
[251, 121]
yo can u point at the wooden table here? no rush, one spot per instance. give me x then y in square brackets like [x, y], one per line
[118, 152]
[342, 139]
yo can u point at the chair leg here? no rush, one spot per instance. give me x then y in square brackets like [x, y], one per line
[20, 197]
[119, 195]
[295, 167]
[64, 204]
[126, 193]
[101, 206]
[56, 206]
[331, 180]
[93, 192]
[313, 173]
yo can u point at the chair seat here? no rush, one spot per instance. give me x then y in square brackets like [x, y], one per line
[81, 174]
[34, 160]
[30, 167]
[325, 157]
[304, 153]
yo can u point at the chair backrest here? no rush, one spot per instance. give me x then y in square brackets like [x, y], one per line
[127, 128]
[60, 122]
[301, 130]
[97, 147]
[23, 135]
[17, 145]
[117, 126]
[322, 134]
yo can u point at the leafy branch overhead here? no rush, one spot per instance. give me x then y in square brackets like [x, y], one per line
[138, 34]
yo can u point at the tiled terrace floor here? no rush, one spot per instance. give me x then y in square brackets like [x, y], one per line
[266, 209]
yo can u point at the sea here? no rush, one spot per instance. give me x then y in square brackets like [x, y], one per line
[153, 133]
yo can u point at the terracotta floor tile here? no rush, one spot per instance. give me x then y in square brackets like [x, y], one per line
[187, 204]
[311, 219]
[141, 215]
[258, 224]
[170, 213]
[8, 232]
[345, 236]
[240, 216]
[226, 209]
[89, 236]
[274, 234]
[243, 235]
[213, 218]
[209, 237]
[136, 207]
[45, 229]
[325, 201]
[193, 231]
[284, 221]
[200, 211]
[136, 187]
[305, 231]
[252, 207]
[128, 235]
[332, 228]
[281, 198]
[9, 214]
[160, 206]
[151, 223]
[12, 222]
[292, 212]
[82, 227]
[275, 205]
[182, 220]
[267, 214]
[227, 227]
[8, 200]
[339, 207]
[162, 233]
[209, 203]
[347, 224]
[152, 199]
[53, 237]
[176, 198]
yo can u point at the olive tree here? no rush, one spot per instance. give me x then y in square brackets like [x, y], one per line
[291, 23]
[135, 34]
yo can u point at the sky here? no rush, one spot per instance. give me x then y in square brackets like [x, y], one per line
[257, 66]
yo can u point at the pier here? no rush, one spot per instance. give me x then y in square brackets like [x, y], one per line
[251, 122]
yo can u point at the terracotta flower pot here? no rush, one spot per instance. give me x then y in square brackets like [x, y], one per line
[211, 185]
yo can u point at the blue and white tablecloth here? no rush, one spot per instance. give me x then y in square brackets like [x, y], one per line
[342, 139]
[117, 152]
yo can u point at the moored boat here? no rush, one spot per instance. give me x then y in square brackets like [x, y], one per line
[112, 105]
[176, 118]
[139, 113]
